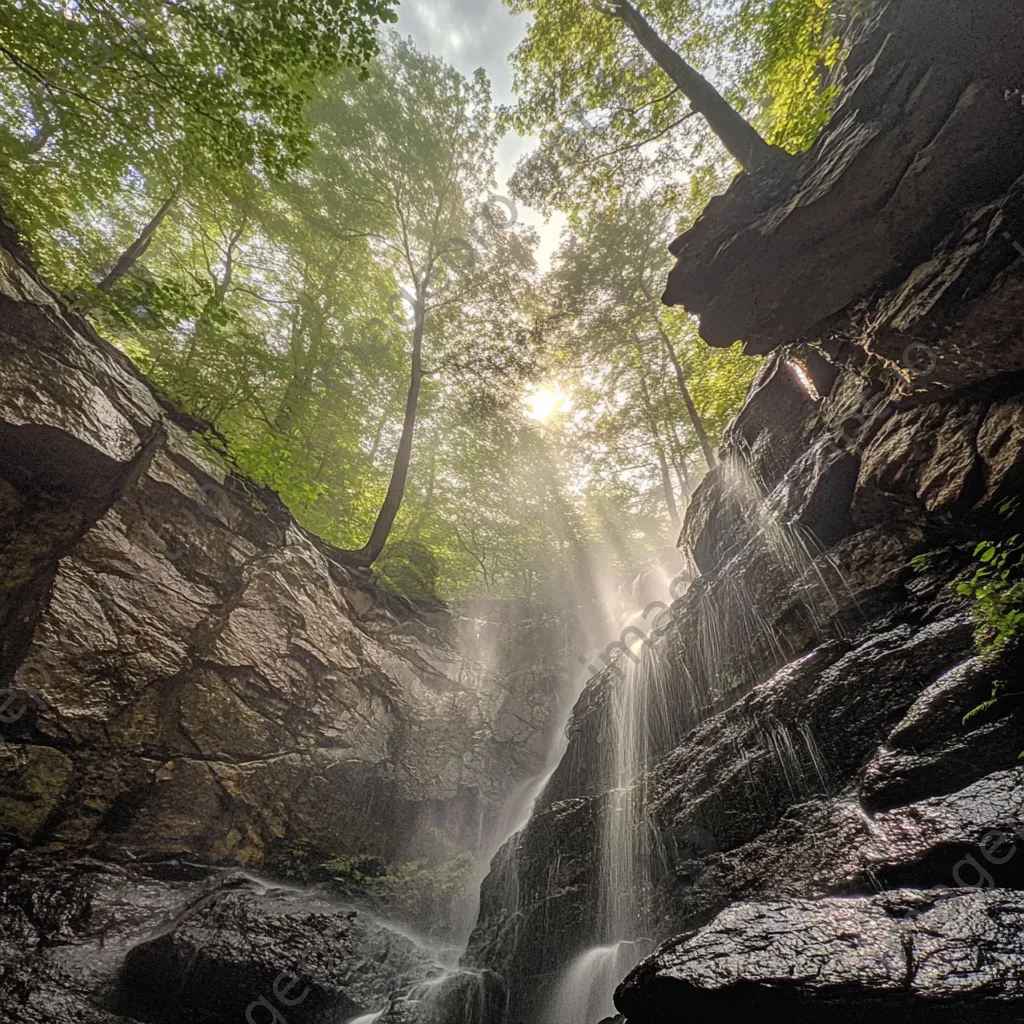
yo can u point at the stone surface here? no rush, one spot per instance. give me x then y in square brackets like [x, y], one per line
[230, 948]
[88, 942]
[894, 957]
[909, 148]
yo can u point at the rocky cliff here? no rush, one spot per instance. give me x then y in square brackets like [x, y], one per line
[192, 680]
[828, 835]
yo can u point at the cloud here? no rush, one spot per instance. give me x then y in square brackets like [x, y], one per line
[468, 34]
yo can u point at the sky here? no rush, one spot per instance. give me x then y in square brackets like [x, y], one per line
[481, 33]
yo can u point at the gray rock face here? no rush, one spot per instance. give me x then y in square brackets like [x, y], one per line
[86, 942]
[900, 956]
[200, 675]
[236, 946]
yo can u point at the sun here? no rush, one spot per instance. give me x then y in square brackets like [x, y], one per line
[544, 401]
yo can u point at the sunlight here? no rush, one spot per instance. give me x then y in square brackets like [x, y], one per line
[544, 401]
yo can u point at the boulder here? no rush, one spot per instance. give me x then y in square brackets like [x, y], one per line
[899, 956]
[243, 945]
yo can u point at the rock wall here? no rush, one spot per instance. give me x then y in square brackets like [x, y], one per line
[816, 792]
[193, 673]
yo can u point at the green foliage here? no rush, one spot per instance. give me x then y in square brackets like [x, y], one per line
[408, 567]
[997, 587]
[790, 47]
[607, 116]
[311, 177]
[997, 590]
[921, 563]
[360, 869]
[99, 96]
[428, 896]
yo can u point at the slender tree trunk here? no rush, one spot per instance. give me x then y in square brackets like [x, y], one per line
[138, 248]
[370, 551]
[691, 409]
[659, 448]
[738, 135]
[41, 137]
[666, 486]
[378, 433]
[216, 300]
[297, 394]
[679, 462]
[47, 129]
[428, 498]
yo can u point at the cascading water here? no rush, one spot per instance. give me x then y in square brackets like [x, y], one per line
[584, 995]
[636, 725]
[462, 993]
[638, 731]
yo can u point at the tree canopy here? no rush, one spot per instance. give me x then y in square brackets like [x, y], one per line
[608, 114]
[289, 217]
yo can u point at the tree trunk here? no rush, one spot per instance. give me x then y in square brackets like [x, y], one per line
[378, 434]
[691, 409]
[679, 462]
[298, 393]
[659, 448]
[370, 551]
[216, 300]
[138, 248]
[738, 135]
[428, 498]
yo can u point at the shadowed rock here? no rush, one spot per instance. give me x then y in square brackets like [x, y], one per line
[901, 956]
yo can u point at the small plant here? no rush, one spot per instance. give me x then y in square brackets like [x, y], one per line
[997, 587]
[429, 896]
[921, 563]
[1000, 692]
[360, 868]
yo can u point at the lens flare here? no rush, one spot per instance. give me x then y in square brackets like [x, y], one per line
[543, 402]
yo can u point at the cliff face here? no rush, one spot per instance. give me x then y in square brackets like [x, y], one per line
[813, 681]
[193, 679]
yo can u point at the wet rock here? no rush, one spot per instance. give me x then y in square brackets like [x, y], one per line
[65, 927]
[894, 957]
[459, 997]
[911, 143]
[770, 430]
[932, 751]
[1001, 447]
[99, 943]
[928, 455]
[242, 943]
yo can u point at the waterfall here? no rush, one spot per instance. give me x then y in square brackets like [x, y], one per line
[649, 702]
[462, 993]
[584, 995]
[635, 711]
[636, 726]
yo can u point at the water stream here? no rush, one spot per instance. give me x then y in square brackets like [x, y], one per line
[635, 718]
[469, 1004]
